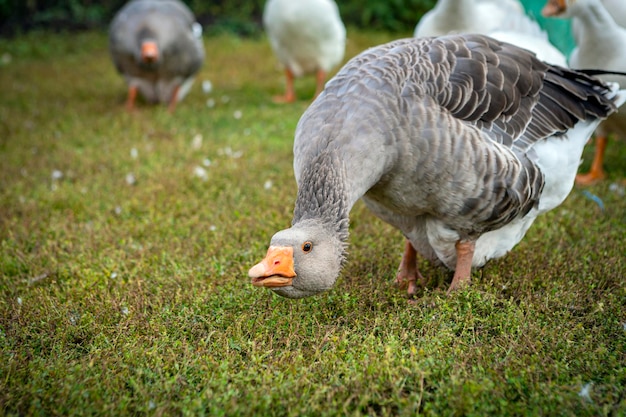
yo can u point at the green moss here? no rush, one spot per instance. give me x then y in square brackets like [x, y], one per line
[133, 299]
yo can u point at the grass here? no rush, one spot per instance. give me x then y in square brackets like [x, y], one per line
[125, 240]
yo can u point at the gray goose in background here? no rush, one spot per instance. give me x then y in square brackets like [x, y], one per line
[157, 46]
[458, 141]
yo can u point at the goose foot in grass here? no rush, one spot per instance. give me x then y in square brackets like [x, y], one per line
[132, 97]
[290, 92]
[597, 172]
[408, 275]
[463, 271]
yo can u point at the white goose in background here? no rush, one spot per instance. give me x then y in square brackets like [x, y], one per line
[307, 37]
[476, 16]
[617, 10]
[601, 44]
[458, 141]
[157, 46]
[504, 20]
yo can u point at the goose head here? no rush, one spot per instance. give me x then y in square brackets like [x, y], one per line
[563, 8]
[149, 52]
[301, 261]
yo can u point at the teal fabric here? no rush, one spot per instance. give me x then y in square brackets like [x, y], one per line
[559, 30]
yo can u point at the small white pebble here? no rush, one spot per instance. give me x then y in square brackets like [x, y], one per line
[585, 391]
[117, 210]
[151, 405]
[130, 179]
[201, 173]
[125, 311]
[196, 142]
[196, 29]
[206, 162]
[207, 86]
[19, 300]
[134, 153]
[210, 103]
[56, 175]
[212, 228]
[617, 189]
[237, 114]
[113, 275]
[268, 184]
[225, 99]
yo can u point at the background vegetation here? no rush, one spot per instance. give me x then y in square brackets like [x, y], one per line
[125, 240]
[239, 16]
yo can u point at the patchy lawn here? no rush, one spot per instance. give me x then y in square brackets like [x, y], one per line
[125, 241]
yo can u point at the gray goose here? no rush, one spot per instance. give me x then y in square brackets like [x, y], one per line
[458, 141]
[157, 46]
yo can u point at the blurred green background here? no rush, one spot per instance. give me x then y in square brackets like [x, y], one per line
[242, 17]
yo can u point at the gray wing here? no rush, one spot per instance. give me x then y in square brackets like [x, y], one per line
[505, 91]
[454, 120]
[512, 96]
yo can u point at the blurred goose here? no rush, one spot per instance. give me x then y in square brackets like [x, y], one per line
[540, 45]
[601, 44]
[504, 20]
[307, 36]
[617, 10]
[476, 16]
[458, 141]
[157, 46]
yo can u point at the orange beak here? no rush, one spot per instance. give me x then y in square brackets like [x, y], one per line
[275, 270]
[149, 51]
[553, 8]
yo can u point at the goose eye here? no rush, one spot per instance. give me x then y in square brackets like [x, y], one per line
[307, 246]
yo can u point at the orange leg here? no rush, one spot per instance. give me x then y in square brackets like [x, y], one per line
[596, 173]
[132, 95]
[463, 271]
[321, 79]
[173, 100]
[407, 271]
[290, 95]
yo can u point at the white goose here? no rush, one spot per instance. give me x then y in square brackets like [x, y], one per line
[157, 46]
[307, 36]
[617, 10]
[458, 141]
[601, 44]
[504, 20]
[476, 16]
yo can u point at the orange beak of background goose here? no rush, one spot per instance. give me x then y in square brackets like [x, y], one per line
[275, 270]
[553, 8]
